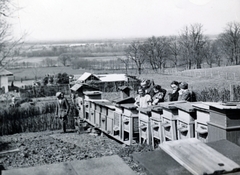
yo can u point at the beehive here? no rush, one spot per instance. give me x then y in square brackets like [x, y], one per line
[155, 125]
[186, 120]
[145, 135]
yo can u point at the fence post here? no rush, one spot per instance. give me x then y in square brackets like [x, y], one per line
[232, 87]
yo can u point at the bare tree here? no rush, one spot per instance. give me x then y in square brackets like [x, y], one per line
[126, 63]
[192, 41]
[156, 50]
[135, 52]
[9, 46]
[49, 62]
[174, 50]
[230, 42]
[63, 58]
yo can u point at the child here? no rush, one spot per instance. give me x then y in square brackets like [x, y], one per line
[143, 100]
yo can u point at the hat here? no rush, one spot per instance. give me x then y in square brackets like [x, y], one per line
[58, 94]
[145, 82]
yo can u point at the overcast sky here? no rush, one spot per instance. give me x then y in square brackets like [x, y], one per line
[106, 19]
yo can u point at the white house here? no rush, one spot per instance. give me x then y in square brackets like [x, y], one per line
[4, 74]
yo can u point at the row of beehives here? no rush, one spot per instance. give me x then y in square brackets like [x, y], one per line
[165, 122]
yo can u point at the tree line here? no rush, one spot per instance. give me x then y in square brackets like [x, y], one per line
[190, 49]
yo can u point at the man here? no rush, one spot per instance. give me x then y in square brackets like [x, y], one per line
[62, 109]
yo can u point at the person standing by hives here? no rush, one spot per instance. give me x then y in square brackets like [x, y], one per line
[62, 109]
[143, 100]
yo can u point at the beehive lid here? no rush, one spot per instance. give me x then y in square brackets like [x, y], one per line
[199, 158]
[105, 103]
[224, 106]
[171, 105]
[202, 106]
[90, 93]
[157, 109]
[186, 107]
[130, 106]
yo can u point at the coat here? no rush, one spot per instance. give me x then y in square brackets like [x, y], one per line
[62, 108]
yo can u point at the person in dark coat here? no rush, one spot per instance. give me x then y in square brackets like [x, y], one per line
[184, 92]
[62, 109]
[147, 85]
[173, 96]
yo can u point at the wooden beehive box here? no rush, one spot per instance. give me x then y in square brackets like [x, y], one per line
[144, 125]
[186, 120]
[129, 123]
[201, 122]
[110, 119]
[169, 120]
[224, 123]
[155, 125]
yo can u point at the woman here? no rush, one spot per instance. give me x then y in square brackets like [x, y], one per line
[159, 94]
[184, 92]
[173, 96]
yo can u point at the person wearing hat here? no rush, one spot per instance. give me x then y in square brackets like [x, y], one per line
[62, 109]
[184, 92]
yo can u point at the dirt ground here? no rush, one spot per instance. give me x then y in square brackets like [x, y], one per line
[40, 148]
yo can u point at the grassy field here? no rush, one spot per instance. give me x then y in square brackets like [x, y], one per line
[209, 78]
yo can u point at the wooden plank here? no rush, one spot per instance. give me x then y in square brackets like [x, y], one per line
[197, 157]
[9, 151]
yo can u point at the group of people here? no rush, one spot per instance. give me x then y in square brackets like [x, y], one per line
[150, 94]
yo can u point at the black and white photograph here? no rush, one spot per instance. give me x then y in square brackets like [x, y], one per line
[119, 87]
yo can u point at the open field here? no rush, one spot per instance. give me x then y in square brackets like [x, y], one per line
[207, 78]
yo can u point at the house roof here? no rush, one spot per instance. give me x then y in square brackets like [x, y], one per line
[82, 86]
[85, 76]
[5, 72]
[113, 77]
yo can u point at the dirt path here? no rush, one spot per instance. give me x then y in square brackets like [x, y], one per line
[51, 147]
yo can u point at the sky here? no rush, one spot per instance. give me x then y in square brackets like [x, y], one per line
[109, 19]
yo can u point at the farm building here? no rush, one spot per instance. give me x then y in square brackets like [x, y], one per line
[4, 74]
[109, 82]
